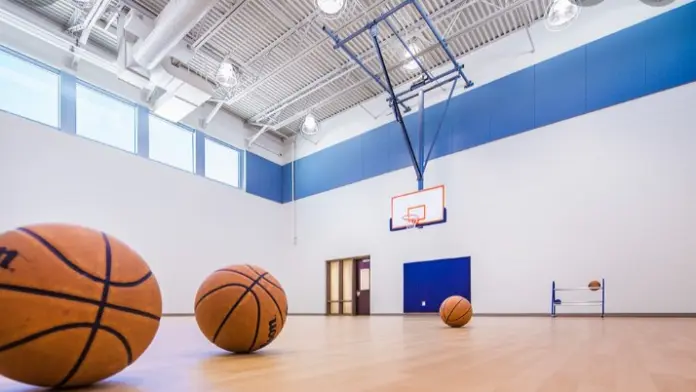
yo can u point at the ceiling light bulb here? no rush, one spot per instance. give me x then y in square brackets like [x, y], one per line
[561, 14]
[310, 123]
[226, 75]
[411, 65]
[331, 7]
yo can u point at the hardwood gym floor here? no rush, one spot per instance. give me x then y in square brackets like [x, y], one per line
[392, 353]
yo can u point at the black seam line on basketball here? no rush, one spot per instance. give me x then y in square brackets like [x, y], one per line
[97, 319]
[265, 278]
[75, 298]
[258, 320]
[247, 276]
[282, 319]
[239, 300]
[75, 267]
[67, 327]
[462, 316]
[453, 308]
[206, 295]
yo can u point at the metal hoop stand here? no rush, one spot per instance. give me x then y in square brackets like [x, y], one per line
[555, 301]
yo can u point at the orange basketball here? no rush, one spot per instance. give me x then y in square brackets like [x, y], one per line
[594, 285]
[78, 305]
[456, 311]
[241, 308]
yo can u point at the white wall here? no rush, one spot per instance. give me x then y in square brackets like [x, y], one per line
[185, 226]
[490, 63]
[608, 194]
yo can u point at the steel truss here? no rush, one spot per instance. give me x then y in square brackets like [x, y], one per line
[428, 82]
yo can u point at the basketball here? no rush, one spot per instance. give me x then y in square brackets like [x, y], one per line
[241, 308]
[456, 311]
[594, 285]
[78, 305]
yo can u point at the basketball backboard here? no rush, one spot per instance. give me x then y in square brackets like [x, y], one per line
[422, 208]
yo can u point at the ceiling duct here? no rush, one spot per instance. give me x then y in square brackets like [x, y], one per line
[171, 26]
[173, 93]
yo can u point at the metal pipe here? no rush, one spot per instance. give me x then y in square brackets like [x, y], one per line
[442, 121]
[395, 108]
[438, 77]
[410, 53]
[421, 138]
[171, 26]
[432, 47]
[352, 66]
[248, 90]
[374, 22]
[95, 13]
[433, 87]
[442, 41]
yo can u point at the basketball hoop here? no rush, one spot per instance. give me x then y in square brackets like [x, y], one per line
[411, 220]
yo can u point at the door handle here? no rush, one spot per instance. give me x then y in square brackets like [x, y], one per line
[357, 293]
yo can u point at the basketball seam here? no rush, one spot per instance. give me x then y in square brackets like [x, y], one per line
[462, 316]
[206, 295]
[74, 266]
[258, 320]
[67, 327]
[265, 278]
[97, 319]
[239, 300]
[453, 308]
[74, 298]
[282, 319]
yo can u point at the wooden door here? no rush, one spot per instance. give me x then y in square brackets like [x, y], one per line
[362, 282]
[340, 287]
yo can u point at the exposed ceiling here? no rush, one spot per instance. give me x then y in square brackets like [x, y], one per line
[288, 64]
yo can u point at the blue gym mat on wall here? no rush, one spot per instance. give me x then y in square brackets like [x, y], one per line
[431, 282]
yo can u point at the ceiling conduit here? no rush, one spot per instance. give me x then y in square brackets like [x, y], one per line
[171, 26]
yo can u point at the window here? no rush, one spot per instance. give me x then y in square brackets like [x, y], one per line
[171, 144]
[222, 163]
[105, 118]
[29, 90]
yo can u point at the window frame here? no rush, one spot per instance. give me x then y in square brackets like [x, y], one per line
[59, 99]
[241, 161]
[185, 127]
[116, 97]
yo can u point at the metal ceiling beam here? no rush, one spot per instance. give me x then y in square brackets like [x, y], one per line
[416, 28]
[298, 115]
[95, 13]
[241, 95]
[218, 25]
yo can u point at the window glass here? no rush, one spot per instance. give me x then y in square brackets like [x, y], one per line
[171, 144]
[105, 118]
[29, 90]
[222, 163]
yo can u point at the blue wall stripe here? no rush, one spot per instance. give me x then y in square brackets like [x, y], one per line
[68, 105]
[142, 129]
[652, 56]
[264, 178]
[200, 154]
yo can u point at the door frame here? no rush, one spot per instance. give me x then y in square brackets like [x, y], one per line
[354, 296]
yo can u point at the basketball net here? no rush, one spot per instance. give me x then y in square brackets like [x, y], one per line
[411, 220]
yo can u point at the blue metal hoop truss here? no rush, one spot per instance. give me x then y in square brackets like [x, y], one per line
[428, 82]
